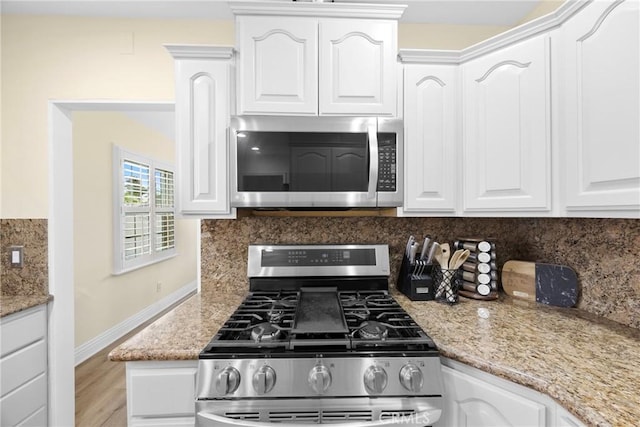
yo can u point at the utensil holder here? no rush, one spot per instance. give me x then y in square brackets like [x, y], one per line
[416, 287]
[447, 284]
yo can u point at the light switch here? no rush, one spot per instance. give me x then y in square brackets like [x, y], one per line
[17, 258]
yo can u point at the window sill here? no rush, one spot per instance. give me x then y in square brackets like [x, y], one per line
[126, 270]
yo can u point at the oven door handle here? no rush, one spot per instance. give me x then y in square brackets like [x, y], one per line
[423, 418]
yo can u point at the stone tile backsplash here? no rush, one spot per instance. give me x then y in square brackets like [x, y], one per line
[604, 252]
[32, 279]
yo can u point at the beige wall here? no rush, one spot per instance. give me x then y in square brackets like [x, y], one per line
[101, 299]
[68, 58]
[544, 7]
[444, 37]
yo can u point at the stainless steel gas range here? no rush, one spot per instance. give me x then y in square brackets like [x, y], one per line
[319, 340]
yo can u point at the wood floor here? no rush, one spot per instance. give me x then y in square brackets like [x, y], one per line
[100, 387]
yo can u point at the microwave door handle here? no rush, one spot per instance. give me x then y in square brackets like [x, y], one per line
[373, 160]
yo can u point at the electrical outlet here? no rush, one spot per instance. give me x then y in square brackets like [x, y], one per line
[158, 286]
[17, 256]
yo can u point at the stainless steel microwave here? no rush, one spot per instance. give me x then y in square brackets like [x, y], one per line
[316, 162]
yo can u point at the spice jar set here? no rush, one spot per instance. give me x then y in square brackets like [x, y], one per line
[434, 271]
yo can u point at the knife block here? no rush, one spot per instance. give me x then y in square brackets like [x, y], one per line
[415, 287]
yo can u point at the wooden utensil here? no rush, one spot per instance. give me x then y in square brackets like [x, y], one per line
[445, 253]
[544, 283]
[459, 257]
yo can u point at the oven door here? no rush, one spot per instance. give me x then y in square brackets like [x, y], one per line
[334, 412]
[306, 162]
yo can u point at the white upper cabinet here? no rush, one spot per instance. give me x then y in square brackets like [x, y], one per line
[202, 116]
[431, 137]
[506, 130]
[316, 58]
[599, 96]
[278, 65]
[358, 67]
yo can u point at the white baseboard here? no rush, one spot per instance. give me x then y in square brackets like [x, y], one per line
[94, 345]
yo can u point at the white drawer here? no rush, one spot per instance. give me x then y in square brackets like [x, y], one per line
[23, 328]
[161, 392]
[21, 404]
[37, 419]
[23, 365]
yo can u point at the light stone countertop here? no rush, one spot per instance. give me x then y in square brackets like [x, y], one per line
[10, 304]
[588, 365]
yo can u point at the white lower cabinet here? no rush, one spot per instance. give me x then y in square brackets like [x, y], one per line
[161, 393]
[476, 398]
[23, 368]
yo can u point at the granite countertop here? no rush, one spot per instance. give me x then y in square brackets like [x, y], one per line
[10, 304]
[587, 364]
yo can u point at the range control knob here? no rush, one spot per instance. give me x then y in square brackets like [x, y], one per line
[375, 379]
[264, 379]
[319, 379]
[228, 380]
[411, 377]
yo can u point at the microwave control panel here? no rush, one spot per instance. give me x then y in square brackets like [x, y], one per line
[386, 162]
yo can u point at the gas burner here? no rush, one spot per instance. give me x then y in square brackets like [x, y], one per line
[372, 330]
[265, 332]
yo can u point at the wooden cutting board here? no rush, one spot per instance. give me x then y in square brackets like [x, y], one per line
[545, 283]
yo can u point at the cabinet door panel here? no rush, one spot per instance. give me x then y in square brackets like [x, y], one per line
[202, 112]
[278, 65]
[507, 129]
[600, 96]
[357, 67]
[161, 392]
[473, 402]
[430, 98]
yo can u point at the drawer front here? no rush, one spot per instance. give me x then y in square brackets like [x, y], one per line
[37, 419]
[23, 365]
[161, 392]
[22, 329]
[23, 403]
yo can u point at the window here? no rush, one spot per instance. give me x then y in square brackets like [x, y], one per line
[144, 211]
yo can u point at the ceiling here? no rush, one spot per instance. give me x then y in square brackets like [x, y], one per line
[462, 12]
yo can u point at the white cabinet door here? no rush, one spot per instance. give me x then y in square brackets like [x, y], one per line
[431, 137]
[202, 117]
[506, 131]
[599, 73]
[358, 67]
[565, 419]
[161, 391]
[278, 65]
[471, 401]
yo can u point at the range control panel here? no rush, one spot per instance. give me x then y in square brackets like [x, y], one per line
[317, 257]
[318, 260]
